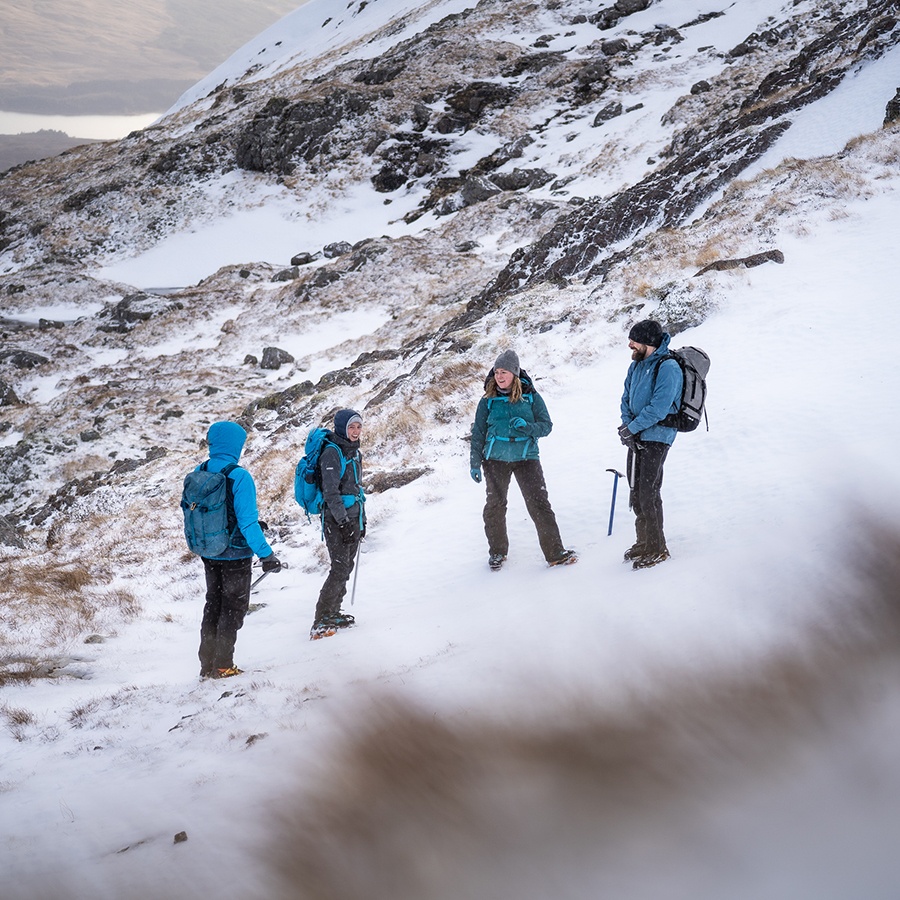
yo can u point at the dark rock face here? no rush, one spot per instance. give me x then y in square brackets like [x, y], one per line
[131, 310]
[746, 262]
[533, 62]
[9, 537]
[338, 248]
[892, 110]
[275, 358]
[522, 179]
[378, 482]
[468, 105]
[23, 359]
[610, 111]
[610, 16]
[303, 259]
[7, 395]
[411, 156]
[81, 199]
[283, 131]
[381, 74]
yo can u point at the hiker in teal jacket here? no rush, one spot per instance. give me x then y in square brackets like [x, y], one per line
[653, 388]
[228, 576]
[510, 418]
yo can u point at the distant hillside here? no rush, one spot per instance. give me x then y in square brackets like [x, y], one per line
[103, 57]
[16, 149]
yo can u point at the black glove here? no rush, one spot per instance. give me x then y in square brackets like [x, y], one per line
[362, 533]
[346, 529]
[271, 564]
[628, 439]
[264, 526]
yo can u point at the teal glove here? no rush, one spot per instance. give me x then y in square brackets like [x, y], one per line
[519, 424]
[475, 472]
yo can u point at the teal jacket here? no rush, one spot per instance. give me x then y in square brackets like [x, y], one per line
[226, 442]
[650, 396]
[494, 438]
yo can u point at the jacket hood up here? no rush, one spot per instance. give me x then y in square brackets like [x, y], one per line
[226, 440]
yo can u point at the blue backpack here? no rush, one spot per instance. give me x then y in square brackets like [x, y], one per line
[307, 479]
[208, 506]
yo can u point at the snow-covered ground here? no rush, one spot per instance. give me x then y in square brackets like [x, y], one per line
[801, 387]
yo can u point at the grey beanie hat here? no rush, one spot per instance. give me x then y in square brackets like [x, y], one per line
[509, 361]
[647, 332]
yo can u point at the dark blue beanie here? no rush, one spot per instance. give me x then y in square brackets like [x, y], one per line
[342, 418]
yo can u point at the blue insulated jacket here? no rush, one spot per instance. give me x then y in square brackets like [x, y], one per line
[494, 438]
[645, 402]
[226, 442]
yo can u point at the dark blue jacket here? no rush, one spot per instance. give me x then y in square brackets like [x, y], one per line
[226, 442]
[646, 400]
[342, 490]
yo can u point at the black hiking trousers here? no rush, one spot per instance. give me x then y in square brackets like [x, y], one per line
[342, 558]
[530, 478]
[645, 475]
[227, 601]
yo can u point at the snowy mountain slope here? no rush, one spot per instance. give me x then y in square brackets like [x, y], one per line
[121, 748]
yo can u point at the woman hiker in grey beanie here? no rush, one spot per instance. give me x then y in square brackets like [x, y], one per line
[510, 418]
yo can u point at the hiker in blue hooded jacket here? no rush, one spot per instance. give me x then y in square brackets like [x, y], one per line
[653, 388]
[228, 576]
[343, 517]
[510, 418]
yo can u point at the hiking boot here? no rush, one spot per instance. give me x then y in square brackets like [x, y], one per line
[634, 552]
[566, 558]
[650, 559]
[338, 620]
[322, 629]
[496, 560]
[227, 672]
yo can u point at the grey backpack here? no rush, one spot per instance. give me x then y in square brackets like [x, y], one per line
[694, 364]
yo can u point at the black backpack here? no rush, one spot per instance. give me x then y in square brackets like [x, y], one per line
[694, 364]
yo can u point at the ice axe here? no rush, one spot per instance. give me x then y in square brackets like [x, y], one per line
[612, 507]
[258, 580]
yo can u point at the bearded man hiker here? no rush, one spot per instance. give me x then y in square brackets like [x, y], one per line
[653, 388]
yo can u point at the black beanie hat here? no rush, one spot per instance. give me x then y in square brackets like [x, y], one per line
[647, 332]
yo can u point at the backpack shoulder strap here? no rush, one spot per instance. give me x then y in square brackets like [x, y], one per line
[659, 362]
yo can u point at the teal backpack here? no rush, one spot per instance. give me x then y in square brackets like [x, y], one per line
[208, 507]
[308, 479]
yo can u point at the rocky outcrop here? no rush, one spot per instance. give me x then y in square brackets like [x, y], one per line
[892, 110]
[133, 309]
[578, 244]
[283, 132]
[746, 262]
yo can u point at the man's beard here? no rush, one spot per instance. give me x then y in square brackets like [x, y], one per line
[638, 355]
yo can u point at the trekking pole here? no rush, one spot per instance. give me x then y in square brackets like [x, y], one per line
[355, 572]
[612, 507]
